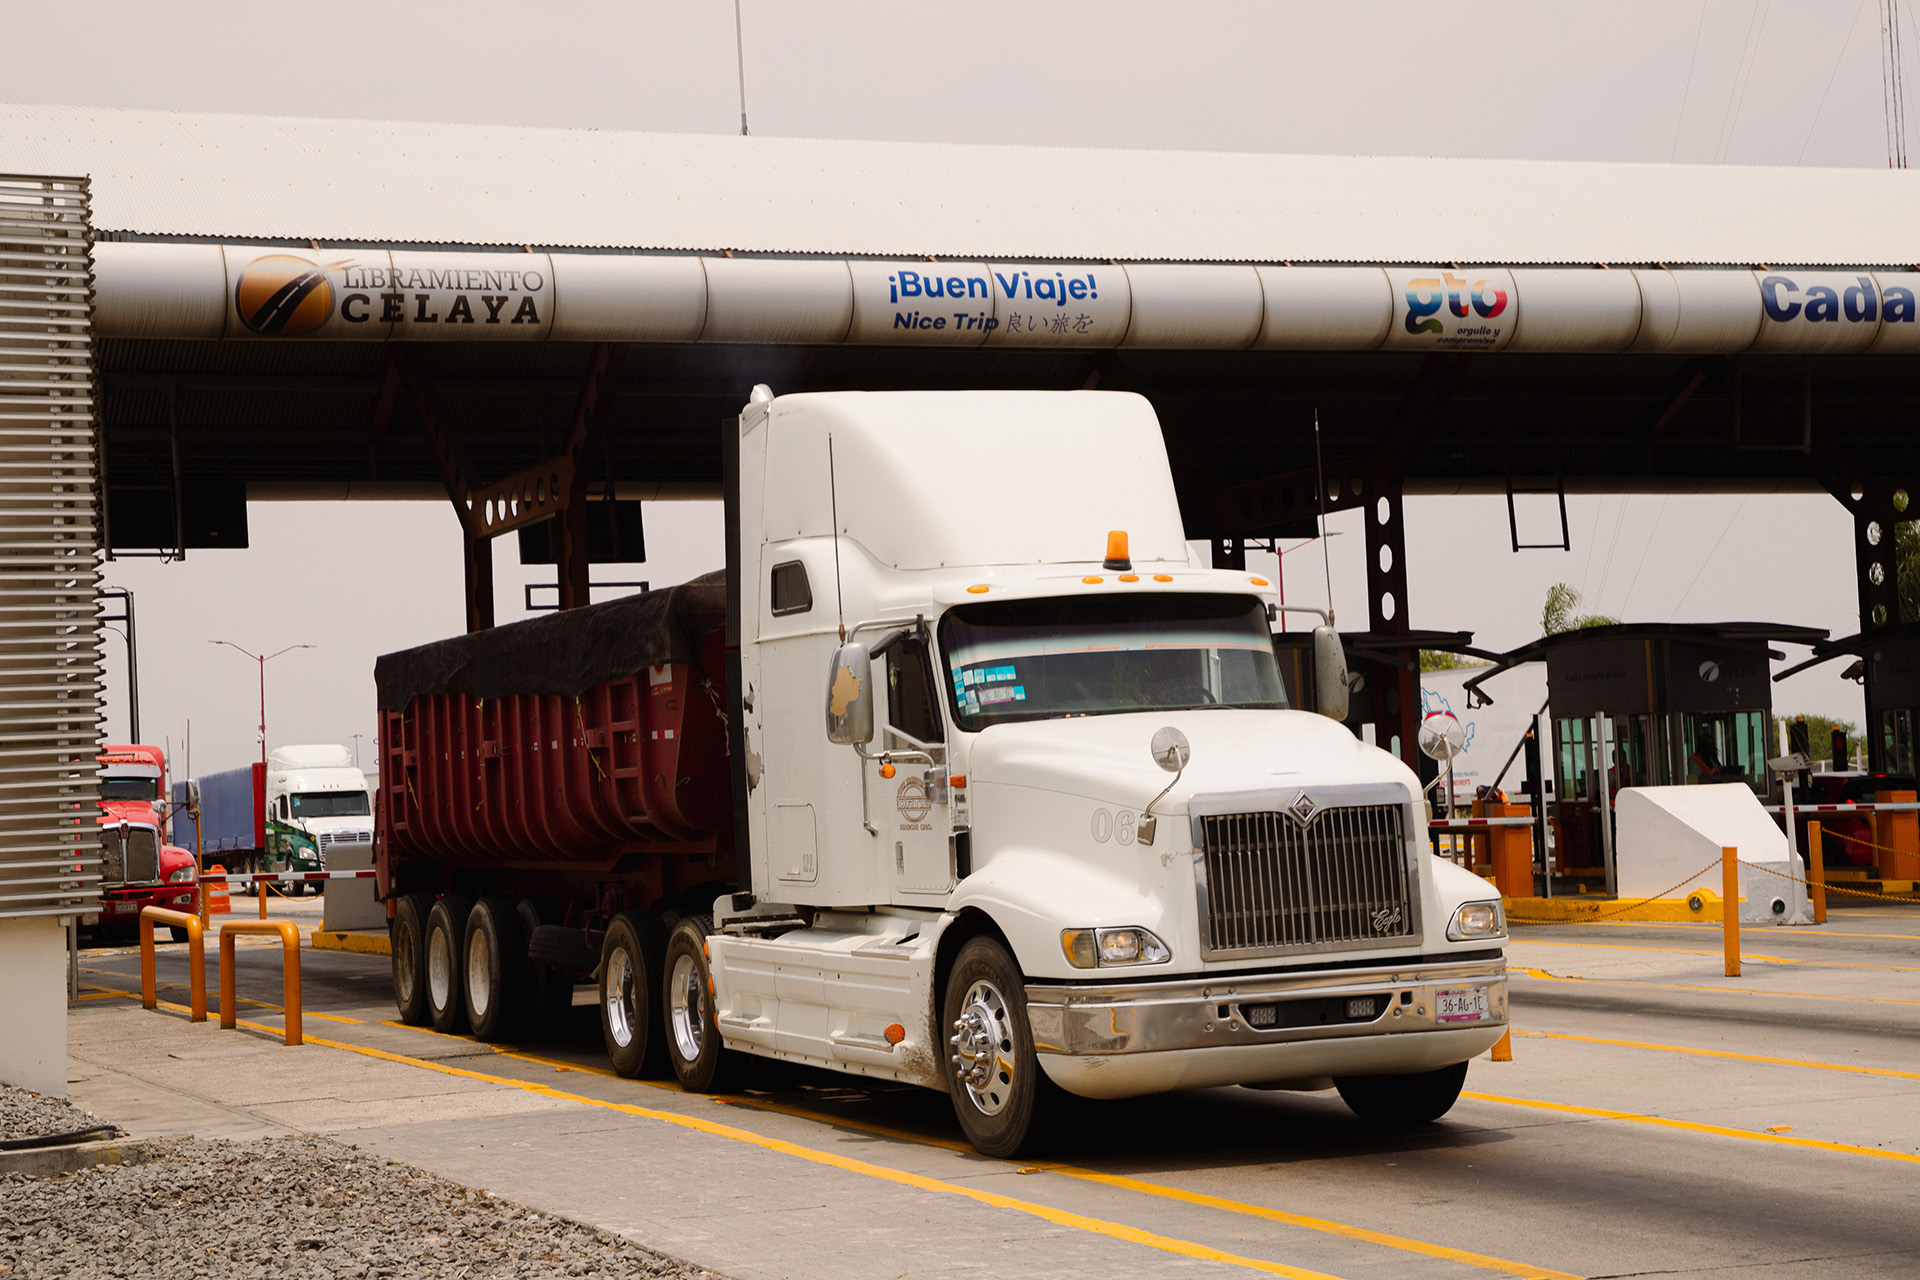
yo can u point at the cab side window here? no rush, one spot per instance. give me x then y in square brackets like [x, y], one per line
[791, 593]
[911, 703]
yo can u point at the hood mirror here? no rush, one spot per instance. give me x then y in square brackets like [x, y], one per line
[1171, 751]
[850, 695]
[1329, 674]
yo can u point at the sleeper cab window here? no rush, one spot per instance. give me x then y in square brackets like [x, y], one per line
[791, 593]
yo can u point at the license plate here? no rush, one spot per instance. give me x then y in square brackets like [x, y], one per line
[1466, 1005]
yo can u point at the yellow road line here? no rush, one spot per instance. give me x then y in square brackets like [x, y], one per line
[212, 999]
[1687, 951]
[1723, 1053]
[1725, 991]
[1813, 931]
[1694, 1126]
[1047, 1213]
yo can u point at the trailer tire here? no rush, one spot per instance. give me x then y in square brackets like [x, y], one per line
[494, 968]
[1011, 1107]
[630, 976]
[446, 930]
[407, 939]
[549, 993]
[1400, 1102]
[702, 1063]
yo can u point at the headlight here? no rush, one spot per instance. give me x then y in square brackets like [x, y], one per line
[1477, 920]
[1101, 948]
[180, 876]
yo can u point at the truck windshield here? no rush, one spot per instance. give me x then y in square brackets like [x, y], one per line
[129, 788]
[328, 804]
[1043, 659]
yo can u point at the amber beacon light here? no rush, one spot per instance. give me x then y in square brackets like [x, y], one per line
[1117, 552]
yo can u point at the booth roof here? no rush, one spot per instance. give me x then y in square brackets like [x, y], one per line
[189, 175]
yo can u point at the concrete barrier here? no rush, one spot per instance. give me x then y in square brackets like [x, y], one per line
[1665, 833]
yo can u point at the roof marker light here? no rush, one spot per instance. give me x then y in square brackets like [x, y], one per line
[1093, 578]
[977, 589]
[1259, 582]
[1117, 552]
[1129, 577]
[1163, 577]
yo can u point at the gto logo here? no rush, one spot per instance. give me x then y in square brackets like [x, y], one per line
[912, 800]
[1385, 918]
[1426, 296]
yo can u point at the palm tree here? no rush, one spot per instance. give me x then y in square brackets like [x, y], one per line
[1557, 614]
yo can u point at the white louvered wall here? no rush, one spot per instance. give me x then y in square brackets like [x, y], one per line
[50, 720]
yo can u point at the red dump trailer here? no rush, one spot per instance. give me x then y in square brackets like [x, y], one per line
[542, 786]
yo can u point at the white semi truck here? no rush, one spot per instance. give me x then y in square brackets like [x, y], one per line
[1018, 806]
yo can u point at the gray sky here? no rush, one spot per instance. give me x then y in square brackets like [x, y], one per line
[1742, 81]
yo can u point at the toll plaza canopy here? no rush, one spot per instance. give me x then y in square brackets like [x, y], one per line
[293, 307]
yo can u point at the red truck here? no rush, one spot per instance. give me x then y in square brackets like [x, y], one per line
[138, 868]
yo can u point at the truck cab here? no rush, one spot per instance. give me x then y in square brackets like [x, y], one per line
[317, 803]
[138, 868]
[1027, 809]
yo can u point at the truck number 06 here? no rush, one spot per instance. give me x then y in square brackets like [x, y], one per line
[1108, 825]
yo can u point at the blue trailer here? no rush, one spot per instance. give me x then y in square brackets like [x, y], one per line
[230, 817]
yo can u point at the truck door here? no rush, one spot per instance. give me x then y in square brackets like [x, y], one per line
[912, 809]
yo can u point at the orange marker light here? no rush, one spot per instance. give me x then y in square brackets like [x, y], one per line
[978, 589]
[1129, 577]
[895, 1033]
[1093, 578]
[1117, 557]
[1259, 582]
[887, 771]
[958, 782]
[1163, 577]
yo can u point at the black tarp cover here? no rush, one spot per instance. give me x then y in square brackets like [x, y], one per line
[565, 653]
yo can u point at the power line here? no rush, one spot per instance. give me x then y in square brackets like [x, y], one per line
[1643, 558]
[1688, 91]
[1709, 560]
[1831, 77]
[1743, 83]
[1892, 92]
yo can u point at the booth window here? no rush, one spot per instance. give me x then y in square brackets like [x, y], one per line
[1726, 746]
[791, 591]
[1896, 741]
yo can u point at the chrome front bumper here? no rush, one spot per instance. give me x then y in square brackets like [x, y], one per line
[1220, 1011]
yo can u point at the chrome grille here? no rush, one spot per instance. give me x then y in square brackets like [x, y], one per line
[1271, 885]
[129, 856]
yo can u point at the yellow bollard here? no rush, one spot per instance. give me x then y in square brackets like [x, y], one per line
[1730, 906]
[1503, 1051]
[1816, 873]
[289, 972]
[196, 961]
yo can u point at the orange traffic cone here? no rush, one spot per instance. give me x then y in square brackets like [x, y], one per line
[216, 892]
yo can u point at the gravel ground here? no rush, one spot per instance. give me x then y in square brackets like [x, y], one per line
[34, 1115]
[288, 1207]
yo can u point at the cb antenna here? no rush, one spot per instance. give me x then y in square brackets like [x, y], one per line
[1320, 480]
[740, 61]
[833, 500]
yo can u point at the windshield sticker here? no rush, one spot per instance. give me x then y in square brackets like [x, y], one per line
[1017, 693]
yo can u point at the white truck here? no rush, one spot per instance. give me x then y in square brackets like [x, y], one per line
[1026, 809]
[317, 806]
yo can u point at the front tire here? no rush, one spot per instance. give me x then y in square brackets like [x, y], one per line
[407, 938]
[1004, 1100]
[1400, 1102]
[631, 961]
[701, 1062]
[446, 928]
[493, 975]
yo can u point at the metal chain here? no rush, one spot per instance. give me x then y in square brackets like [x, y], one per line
[1831, 887]
[1622, 907]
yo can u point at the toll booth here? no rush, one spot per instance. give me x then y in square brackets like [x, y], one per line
[1887, 662]
[1651, 704]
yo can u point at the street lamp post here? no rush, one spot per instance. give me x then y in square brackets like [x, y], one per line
[262, 659]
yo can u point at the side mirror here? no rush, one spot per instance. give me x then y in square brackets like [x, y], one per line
[1329, 674]
[850, 696]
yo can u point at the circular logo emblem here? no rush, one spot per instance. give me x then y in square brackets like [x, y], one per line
[912, 800]
[282, 295]
[1709, 671]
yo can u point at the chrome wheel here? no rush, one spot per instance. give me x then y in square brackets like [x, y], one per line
[687, 1008]
[439, 968]
[983, 1057]
[619, 988]
[479, 978]
[406, 965]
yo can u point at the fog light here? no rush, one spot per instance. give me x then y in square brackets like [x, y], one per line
[1101, 948]
[1477, 920]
